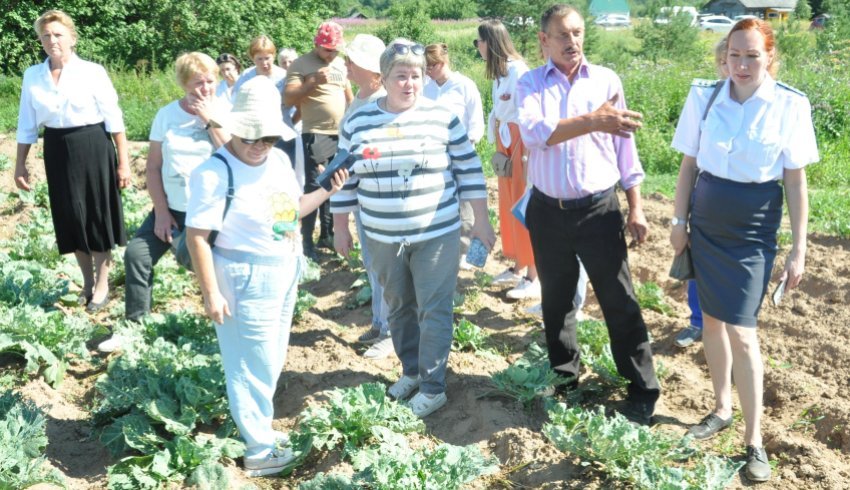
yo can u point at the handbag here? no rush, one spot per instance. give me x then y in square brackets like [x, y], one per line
[178, 238]
[502, 164]
[683, 267]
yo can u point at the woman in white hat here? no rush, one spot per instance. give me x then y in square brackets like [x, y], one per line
[363, 61]
[249, 279]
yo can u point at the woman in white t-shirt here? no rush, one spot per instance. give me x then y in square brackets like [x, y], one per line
[249, 279]
[181, 138]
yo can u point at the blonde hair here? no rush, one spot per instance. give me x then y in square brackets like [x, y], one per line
[261, 44]
[54, 16]
[437, 53]
[188, 65]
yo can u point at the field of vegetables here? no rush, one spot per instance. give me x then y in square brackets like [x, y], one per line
[155, 415]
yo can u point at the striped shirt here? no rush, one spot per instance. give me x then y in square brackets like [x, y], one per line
[579, 166]
[410, 170]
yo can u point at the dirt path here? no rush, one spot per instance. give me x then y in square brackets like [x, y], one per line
[804, 344]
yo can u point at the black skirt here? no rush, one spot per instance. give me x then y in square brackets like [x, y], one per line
[733, 245]
[82, 182]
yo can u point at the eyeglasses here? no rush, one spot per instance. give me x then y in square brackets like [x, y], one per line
[403, 49]
[267, 140]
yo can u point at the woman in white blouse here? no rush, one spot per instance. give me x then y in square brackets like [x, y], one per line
[77, 105]
[740, 138]
[505, 66]
[229, 68]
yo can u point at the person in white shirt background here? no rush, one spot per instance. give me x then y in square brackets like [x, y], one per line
[75, 102]
[262, 52]
[756, 133]
[504, 66]
[460, 95]
[229, 67]
[363, 61]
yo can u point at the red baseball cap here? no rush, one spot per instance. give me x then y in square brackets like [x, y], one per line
[329, 36]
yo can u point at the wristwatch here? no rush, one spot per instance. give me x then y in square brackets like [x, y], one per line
[676, 221]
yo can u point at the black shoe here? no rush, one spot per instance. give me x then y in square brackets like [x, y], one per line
[638, 412]
[326, 242]
[758, 467]
[93, 307]
[310, 253]
[709, 426]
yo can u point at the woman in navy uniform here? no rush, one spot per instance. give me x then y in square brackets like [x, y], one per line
[753, 134]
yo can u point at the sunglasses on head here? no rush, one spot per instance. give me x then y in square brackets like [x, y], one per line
[403, 49]
[267, 140]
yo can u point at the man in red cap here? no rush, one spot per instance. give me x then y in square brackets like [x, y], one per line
[317, 83]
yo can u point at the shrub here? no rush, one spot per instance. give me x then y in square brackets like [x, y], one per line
[408, 19]
[676, 40]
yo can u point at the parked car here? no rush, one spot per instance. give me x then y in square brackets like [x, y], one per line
[819, 22]
[716, 23]
[613, 21]
[746, 16]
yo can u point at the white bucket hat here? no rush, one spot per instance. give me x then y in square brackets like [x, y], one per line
[365, 51]
[256, 112]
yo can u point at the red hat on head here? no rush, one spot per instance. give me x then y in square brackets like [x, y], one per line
[329, 36]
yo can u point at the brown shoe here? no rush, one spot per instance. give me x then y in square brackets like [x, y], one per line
[709, 426]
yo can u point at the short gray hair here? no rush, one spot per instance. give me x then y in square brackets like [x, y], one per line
[390, 59]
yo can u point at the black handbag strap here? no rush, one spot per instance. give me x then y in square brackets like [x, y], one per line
[228, 198]
[714, 94]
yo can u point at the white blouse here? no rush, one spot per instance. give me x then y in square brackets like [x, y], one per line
[460, 94]
[505, 103]
[750, 142]
[84, 95]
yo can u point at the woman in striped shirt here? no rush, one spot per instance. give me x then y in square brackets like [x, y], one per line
[413, 162]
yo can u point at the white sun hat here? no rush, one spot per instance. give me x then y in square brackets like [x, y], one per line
[365, 51]
[256, 112]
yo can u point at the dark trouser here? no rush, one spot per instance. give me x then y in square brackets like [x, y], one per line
[143, 252]
[319, 149]
[595, 234]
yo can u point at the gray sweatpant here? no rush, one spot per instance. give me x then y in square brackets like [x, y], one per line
[419, 281]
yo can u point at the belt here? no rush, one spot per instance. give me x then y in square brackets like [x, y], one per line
[569, 204]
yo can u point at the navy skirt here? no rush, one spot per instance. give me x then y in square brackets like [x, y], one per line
[733, 245]
[82, 183]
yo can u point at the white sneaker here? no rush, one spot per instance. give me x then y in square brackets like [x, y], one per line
[536, 310]
[274, 462]
[507, 277]
[525, 290]
[380, 349]
[402, 388]
[111, 344]
[423, 405]
[464, 265]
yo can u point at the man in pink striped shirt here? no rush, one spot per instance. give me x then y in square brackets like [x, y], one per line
[573, 119]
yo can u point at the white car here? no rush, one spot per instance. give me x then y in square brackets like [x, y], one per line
[716, 23]
[613, 20]
[746, 16]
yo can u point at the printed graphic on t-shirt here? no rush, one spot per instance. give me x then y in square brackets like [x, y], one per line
[284, 213]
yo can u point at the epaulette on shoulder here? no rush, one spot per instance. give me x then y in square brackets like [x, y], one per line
[791, 89]
[702, 82]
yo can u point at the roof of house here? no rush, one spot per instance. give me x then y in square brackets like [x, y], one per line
[602, 7]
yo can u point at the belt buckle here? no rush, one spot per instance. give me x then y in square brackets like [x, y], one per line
[561, 205]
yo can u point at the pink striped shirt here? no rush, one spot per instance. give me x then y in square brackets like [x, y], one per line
[580, 166]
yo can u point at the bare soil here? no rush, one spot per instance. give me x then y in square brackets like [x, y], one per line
[804, 345]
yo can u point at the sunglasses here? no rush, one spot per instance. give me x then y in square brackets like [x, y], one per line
[267, 140]
[475, 42]
[403, 49]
